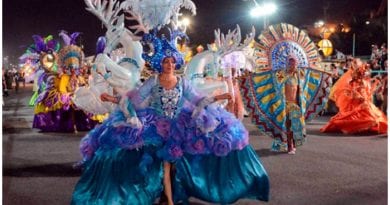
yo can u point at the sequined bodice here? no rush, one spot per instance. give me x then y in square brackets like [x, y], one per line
[169, 101]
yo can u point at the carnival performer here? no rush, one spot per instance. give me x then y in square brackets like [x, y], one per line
[357, 113]
[165, 122]
[54, 110]
[287, 88]
[295, 122]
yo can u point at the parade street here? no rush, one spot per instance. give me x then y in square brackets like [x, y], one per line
[329, 169]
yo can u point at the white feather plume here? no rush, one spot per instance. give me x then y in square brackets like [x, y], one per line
[156, 14]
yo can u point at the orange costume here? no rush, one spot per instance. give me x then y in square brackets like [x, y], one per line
[353, 96]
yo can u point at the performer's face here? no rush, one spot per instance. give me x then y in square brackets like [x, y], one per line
[168, 65]
[292, 64]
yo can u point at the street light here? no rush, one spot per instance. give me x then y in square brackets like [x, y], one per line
[319, 24]
[183, 24]
[185, 21]
[264, 10]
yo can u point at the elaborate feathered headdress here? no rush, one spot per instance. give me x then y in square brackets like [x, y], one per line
[278, 42]
[160, 48]
[43, 51]
[71, 56]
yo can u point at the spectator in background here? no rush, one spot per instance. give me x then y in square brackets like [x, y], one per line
[23, 79]
[5, 90]
[339, 55]
[375, 52]
[342, 68]
[335, 72]
[348, 63]
[8, 79]
[375, 67]
[16, 80]
[383, 57]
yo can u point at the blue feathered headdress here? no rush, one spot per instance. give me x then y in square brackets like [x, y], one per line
[161, 48]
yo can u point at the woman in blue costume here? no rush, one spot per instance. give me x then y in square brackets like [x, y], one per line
[166, 122]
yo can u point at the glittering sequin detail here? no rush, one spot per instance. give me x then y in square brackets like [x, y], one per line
[169, 100]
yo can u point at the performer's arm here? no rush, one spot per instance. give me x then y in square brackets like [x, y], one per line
[105, 97]
[200, 100]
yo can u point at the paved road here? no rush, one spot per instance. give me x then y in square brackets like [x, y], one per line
[327, 170]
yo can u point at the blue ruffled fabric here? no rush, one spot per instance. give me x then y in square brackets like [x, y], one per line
[120, 176]
[214, 131]
[223, 180]
[123, 165]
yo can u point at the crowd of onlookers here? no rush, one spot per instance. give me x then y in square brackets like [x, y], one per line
[11, 79]
[378, 66]
[378, 58]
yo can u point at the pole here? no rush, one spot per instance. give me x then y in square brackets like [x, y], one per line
[353, 44]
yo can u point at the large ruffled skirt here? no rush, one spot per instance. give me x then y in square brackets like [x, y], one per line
[55, 112]
[223, 180]
[64, 120]
[116, 177]
[123, 165]
[364, 117]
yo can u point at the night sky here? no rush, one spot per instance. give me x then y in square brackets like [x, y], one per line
[24, 18]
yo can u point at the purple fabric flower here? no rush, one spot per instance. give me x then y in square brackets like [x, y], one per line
[184, 120]
[222, 146]
[163, 128]
[199, 146]
[175, 151]
[189, 134]
[206, 123]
